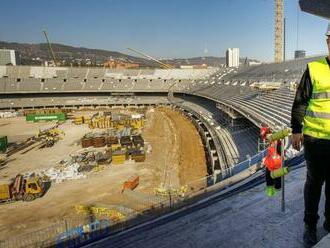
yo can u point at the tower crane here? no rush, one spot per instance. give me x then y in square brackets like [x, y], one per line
[51, 52]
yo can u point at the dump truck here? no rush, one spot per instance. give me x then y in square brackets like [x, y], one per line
[22, 188]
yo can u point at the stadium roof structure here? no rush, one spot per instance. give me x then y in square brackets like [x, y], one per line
[316, 7]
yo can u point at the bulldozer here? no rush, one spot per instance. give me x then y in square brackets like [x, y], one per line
[22, 188]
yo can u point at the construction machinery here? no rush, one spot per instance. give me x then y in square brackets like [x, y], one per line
[51, 52]
[22, 188]
[163, 65]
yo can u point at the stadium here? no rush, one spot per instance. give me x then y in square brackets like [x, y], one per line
[201, 132]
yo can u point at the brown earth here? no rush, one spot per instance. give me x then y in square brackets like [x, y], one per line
[177, 158]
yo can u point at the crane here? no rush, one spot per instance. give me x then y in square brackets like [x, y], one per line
[50, 48]
[151, 58]
[279, 31]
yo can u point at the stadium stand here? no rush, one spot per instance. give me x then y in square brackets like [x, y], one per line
[29, 85]
[52, 85]
[236, 88]
[95, 73]
[76, 73]
[286, 71]
[24, 72]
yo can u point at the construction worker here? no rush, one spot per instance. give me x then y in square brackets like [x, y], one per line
[310, 122]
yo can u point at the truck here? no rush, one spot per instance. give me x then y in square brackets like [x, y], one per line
[22, 188]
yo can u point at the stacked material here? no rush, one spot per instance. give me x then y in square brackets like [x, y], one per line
[89, 156]
[99, 141]
[112, 214]
[93, 139]
[126, 141]
[67, 171]
[78, 120]
[86, 142]
[138, 141]
[119, 157]
[138, 156]
[8, 114]
[100, 122]
[80, 162]
[126, 131]
[111, 140]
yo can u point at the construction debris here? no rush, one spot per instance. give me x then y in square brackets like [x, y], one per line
[162, 191]
[64, 172]
[49, 136]
[79, 163]
[112, 214]
[8, 114]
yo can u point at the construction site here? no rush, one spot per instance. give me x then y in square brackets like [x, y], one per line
[110, 163]
[159, 152]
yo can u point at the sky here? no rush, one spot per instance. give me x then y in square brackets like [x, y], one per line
[163, 28]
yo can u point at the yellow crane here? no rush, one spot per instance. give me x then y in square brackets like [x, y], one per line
[51, 52]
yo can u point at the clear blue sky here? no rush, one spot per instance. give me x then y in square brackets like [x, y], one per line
[162, 28]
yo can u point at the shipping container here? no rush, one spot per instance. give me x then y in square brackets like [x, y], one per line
[46, 117]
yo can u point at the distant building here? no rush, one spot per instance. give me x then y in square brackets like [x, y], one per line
[202, 66]
[7, 57]
[186, 67]
[299, 54]
[232, 57]
[120, 65]
[252, 63]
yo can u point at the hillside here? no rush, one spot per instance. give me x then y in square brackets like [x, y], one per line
[35, 54]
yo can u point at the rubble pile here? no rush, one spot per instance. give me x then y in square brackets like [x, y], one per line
[67, 171]
[78, 164]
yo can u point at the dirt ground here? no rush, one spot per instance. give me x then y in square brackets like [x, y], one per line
[177, 158]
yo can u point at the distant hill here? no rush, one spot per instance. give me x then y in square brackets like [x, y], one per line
[35, 54]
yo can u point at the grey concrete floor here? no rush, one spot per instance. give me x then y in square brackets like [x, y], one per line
[248, 219]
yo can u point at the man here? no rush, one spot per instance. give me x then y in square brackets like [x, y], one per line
[312, 108]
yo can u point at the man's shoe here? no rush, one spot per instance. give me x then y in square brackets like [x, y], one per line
[326, 226]
[310, 237]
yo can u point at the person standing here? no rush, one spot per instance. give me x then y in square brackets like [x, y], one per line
[310, 123]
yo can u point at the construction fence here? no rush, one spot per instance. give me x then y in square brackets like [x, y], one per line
[94, 223]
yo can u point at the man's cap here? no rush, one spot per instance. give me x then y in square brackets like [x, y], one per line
[328, 31]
